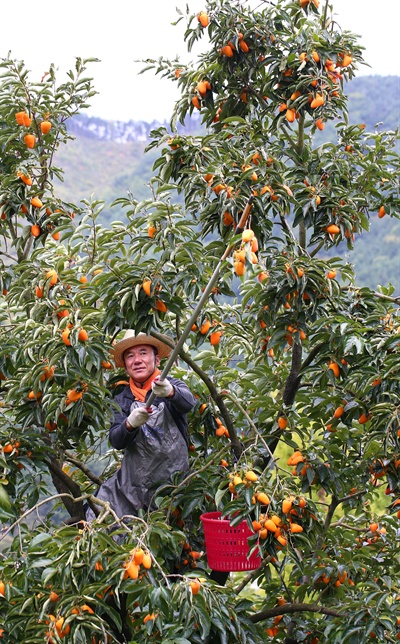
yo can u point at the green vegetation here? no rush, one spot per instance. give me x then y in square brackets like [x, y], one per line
[110, 169]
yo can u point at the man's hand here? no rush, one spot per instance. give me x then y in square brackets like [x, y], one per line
[137, 417]
[162, 388]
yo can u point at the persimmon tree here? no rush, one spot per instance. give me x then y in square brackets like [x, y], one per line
[295, 367]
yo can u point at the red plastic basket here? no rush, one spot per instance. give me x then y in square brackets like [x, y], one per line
[226, 545]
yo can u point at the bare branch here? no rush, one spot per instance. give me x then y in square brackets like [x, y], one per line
[84, 468]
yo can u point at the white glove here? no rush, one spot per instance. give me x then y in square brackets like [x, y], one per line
[138, 417]
[162, 388]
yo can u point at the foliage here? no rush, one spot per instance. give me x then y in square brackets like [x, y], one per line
[108, 168]
[296, 428]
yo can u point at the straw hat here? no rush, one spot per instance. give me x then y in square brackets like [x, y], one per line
[130, 339]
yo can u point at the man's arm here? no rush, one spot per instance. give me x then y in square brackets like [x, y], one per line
[119, 435]
[182, 399]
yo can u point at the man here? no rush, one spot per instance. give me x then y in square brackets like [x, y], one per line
[155, 440]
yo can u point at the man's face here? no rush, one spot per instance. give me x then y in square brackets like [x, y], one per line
[140, 362]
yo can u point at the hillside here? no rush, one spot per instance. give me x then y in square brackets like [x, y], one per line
[107, 159]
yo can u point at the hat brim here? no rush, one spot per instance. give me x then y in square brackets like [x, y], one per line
[117, 352]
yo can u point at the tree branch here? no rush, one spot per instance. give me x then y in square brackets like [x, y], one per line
[63, 484]
[83, 468]
[294, 608]
[215, 394]
[293, 380]
[328, 519]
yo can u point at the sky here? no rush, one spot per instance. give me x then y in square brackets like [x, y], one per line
[120, 32]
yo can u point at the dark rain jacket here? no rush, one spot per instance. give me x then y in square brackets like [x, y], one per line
[152, 452]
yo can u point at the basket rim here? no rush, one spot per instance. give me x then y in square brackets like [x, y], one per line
[215, 517]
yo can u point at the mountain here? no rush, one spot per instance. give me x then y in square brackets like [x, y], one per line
[107, 159]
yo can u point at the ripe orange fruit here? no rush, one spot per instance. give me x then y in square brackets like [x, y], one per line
[52, 276]
[48, 373]
[282, 422]
[295, 527]
[287, 505]
[332, 229]
[149, 617]
[36, 203]
[30, 140]
[132, 570]
[138, 555]
[202, 87]
[38, 292]
[146, 286]
[317, 101]
[65, 337]
[205, 327]
[262, 276]
[331, 274]
[227, 51]
[62, 632]
[19, 117]
[227, 218]
[151, 231]
[35, 230]
[7, 449]
[339, 411]
[27, 180]
[106, 364]
[263, 498]
[26, 119]
[146, 563]
[239, 268]
[33, 396]
[290, 115]
[45, 127]
[160, 306]
[346, 61]
[82, 335]
[247, 235]
[202, 408]
[244, 46]
[56, 235]
[320, 124]
[196, 102]
[195, 586]
[73, 395]
[87, 609]
[215, 338]
[251, 476]
[219, 188]
[83, 279]
[335, 368]
[381, 212]
[203, 19]
[315, 56]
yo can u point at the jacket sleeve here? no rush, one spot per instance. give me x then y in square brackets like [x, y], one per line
[119, 436]
[183, 400]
